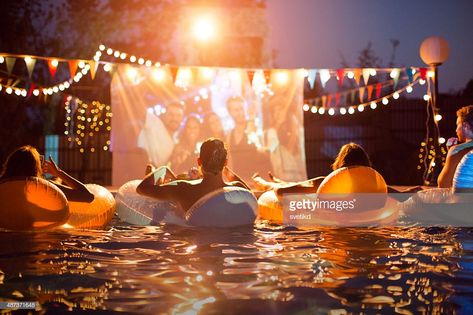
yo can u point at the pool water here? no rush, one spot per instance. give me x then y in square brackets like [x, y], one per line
[261, 270]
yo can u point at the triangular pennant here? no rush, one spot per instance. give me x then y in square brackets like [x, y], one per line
[410, 74]
[337, 98]
[173, 71]
[329, 99]
[52, 67]
[340, 75]
[324, 76]
[30, 63]
[423, 73]
[251, 74]
[73, 67]
[357, 75]
[378, 90]
[366, 75]
[361, 92]
[93, 68]
[324, 101]
[352, 96]
[267, 75]
[30, 90]
[10, 64]
[395, 76]
[311, 78]
[370, 91]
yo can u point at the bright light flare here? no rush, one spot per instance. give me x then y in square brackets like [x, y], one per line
[204, 29]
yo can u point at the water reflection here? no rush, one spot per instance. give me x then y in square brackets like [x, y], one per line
[268, 269]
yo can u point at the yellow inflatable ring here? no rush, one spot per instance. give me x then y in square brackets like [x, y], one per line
[94, 215]
[344, 181]
[31, 203]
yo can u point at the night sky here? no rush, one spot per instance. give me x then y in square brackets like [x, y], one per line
[313, 33]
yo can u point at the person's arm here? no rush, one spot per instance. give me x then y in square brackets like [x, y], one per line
[445, 179]
[168, 191]
[307, 187]
[75, 190]
[232, 176]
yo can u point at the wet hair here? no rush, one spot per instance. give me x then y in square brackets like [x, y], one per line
[466, 115]
[351, 154]
[213, 155]
[24, 161]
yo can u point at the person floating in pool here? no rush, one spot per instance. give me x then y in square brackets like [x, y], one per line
[26, 162]
[212, 162]
[458, 147]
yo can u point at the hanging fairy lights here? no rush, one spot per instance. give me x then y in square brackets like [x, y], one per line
[84, 121]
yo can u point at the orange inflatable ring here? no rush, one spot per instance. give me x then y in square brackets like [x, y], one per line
[94, 215]
[341, 183]
[31, 203]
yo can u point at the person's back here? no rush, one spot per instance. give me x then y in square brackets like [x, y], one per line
[212, 160]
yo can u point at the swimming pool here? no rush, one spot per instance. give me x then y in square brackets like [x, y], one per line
[261, 270]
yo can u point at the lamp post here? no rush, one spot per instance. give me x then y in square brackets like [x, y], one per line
[434, 52]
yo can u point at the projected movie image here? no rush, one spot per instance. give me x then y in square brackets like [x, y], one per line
[161, 117]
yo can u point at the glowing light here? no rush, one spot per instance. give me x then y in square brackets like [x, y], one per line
[394, 73]
[102, 47]
[313, 109]
[36, 92]
[441, 140]
[343, 111]
[421, 81]
[361, 108]
[305, 107]
[373, 105]
[81, 64]
[28, 59]
[385, 101]
[141, 61]
[409, 89]
[2, 60]
[372, 72]
[204, 29]
[321, 110]
[207, 73]
[18, 92]
[426, 97]
[132, 58]
[210, 273]
[54, 63]
[438, 117]
[331, 111]
[183, 77]
[431, 74]
[107, 67]
[282, 77]
[148, 63]
[305, 73]
[159, 74]
[116, 54]
[122, 56]
[351, 110]
[396, 95]
[109, 51]
[132, 73]
[350, 74]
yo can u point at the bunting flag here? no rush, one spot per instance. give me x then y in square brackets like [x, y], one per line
[410, 74]
[311, 78]
[93, 68]
[352, 96]
[324, 76]
[366, 75]
[251, 74]
[173, 72]
[395, 76]
[423, 73]
[340, 75]
[370, 91]
[324, 101]
[73, 67]
[267, 75]
[30, 90]
[10, 64]
[30, 63]
[329, 100]
[337, 98]
[361, 92]
[52, 67]
[378, 90]
[357, 75]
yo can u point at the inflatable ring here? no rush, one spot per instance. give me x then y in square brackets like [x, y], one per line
[341, 184]
[94, 215]
[463, 178]
[31, 203]
[230, 206]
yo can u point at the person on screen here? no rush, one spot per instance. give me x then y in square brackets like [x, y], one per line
[212, 126]
[184, 155]
[458, 147]
[212, 162]
[241, 148]
[159, 134]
